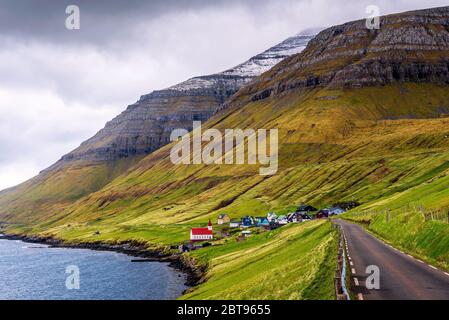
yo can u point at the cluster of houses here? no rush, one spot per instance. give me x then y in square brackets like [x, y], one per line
[270, 222]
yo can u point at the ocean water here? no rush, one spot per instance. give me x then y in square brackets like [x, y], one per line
[37, 272]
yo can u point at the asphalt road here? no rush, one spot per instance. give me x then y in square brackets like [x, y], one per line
[402, 277]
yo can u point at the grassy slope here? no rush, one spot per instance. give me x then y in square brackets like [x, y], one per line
[348, 154]
[289, 263]
[330, 150]
[46, 195]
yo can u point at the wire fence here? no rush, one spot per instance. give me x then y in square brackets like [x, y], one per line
[429, 214]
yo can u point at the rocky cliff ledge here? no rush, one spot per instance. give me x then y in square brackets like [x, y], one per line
[408, 47]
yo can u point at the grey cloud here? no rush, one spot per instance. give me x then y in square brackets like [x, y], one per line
[103, 21]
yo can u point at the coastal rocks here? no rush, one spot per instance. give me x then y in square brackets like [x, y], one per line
[194, 272]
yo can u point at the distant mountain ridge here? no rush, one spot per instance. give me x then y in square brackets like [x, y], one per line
[146, 125]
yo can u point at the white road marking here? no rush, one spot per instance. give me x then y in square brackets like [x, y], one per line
[446, 273]
[360, 296]
[433, 267]
[353, 271]
[350, 262]
[356, 281]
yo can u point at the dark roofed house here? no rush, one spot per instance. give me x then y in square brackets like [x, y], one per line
[247, 222]
[323, 213]
[336, 211]
[294, 217]
[306, 208]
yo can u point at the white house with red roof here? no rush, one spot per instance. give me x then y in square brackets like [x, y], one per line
[201, 234]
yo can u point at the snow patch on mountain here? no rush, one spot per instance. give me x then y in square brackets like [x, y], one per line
[245, 72]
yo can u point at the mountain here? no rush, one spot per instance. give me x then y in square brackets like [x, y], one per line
[146, 125]
[143, 127]
[362, 116]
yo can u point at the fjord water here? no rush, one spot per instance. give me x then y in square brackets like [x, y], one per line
[38, 272]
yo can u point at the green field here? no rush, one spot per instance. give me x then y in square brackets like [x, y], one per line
[293, 262]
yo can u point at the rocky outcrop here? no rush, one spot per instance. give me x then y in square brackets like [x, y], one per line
[408, 47]
[146, 125]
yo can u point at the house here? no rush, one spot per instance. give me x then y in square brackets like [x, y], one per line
[234, 224]
[247, 222]
[306, 208]
[294, 217]
[305, 216]
[282, 220]
[346, 205]
[323, 213]
[201, 234]
[262, 222]
[223, 218]
[246, 233]
[273, 225]
[271, 216]
[335, 211]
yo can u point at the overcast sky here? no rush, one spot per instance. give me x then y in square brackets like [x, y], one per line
[59, 87]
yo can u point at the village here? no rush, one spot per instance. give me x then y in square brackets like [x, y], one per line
[247, 225]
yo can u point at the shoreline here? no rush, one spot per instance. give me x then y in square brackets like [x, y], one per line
[194, 273]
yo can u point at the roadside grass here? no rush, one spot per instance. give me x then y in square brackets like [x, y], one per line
[411, 232]
[292, 262]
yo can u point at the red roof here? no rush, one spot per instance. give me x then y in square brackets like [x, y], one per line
[201, 231]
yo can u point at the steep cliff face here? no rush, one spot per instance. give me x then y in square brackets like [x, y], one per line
[146, 125]
[408, 47]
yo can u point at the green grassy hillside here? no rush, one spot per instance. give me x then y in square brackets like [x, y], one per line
[330, 150]
[49, 193]
[289, 263]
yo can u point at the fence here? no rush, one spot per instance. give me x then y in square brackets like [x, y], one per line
[433, 214]
[341, 292]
